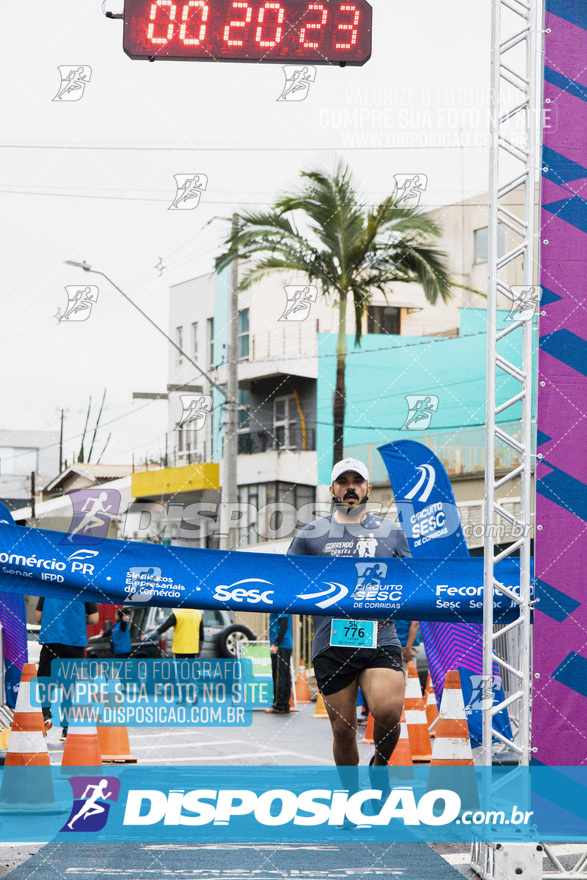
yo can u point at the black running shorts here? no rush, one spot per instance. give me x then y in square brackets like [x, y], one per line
[336, 668]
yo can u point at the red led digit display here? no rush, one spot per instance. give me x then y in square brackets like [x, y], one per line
[324, 32]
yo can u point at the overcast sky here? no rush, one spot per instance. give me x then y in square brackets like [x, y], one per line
[93, 180]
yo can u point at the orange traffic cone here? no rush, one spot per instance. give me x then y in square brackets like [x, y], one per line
[292, 701]
[114, 745]
[452, 747]
[368, 738]
[320, 708]
[27, 784]
[82, 747]
[402, 754]
[416, 717]
[113, 740]
[431, 705]
[302, 689]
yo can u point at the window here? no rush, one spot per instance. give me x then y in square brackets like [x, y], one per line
[243, 414]
[179, 342]
[243, 335]
[210, 340]
[195, 341]
[286, 431]
[276, 507]
[383, 319]
[481, 243]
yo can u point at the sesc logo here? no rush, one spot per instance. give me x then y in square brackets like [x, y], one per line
[236, 593]
[334, 594]
[428, 477]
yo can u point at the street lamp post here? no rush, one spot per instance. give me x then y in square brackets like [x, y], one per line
[228, 485]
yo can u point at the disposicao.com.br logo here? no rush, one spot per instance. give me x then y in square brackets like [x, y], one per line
[310, 808]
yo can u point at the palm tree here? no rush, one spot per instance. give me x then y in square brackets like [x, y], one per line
[350, 250]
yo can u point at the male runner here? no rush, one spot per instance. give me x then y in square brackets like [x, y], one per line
[351, 531]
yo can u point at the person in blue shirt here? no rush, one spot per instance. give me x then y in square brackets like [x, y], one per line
[281, 638]
[407, 633]
[63, 636]
[120, 634]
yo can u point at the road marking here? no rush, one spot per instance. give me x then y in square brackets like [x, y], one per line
[222, 758]
[282, 847]
[214, 760]
[220, 742]
[189, 732]
[457, 858]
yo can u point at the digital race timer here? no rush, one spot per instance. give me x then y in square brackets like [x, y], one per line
[294, 31]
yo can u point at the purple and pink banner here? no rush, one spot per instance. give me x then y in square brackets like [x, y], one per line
[560, 631]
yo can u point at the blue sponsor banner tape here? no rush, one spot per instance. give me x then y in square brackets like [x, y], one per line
[291, 804]
[43, 563]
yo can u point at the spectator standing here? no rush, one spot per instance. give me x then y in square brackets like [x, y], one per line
[407, 632]
[63, 636]
[188, 632]
[281, 638]
[119, 634]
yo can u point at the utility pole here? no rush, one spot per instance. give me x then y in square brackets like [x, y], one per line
[33, 508]
[61, 444]
[228, 475]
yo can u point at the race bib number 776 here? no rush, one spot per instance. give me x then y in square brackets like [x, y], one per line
[353, 633]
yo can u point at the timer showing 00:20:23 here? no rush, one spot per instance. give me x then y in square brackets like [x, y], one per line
[294, 31]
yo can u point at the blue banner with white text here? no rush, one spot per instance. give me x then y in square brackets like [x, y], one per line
[432, 524]
[220, 804]
[42, 563]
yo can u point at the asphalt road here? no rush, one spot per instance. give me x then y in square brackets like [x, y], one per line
[299, 739]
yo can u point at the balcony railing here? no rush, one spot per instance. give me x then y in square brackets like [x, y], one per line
[296, 440]
[461, 451]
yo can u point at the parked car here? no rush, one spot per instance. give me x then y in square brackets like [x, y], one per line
[221, 635]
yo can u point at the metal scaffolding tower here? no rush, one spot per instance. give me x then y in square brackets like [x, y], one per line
[514, 157]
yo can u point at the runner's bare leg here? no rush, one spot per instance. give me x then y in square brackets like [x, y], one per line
[342, 712]
[384, 691]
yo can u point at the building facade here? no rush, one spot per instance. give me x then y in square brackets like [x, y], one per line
[286, 379]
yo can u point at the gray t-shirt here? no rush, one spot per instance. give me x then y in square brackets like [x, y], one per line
[370, 538]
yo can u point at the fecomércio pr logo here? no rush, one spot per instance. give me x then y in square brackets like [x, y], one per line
[91, 797]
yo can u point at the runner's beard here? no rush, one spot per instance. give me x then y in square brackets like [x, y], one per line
[350, 512]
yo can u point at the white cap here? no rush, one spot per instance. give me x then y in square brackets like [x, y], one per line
[349, 464]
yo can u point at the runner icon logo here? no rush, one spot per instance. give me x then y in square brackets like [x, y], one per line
[299, 299]
[79, 303]
[93, 510]
[74, 79]
[409, 189]
[297, 82]
[90, 802]
[370, 574]
[421, 408]
[188, 191]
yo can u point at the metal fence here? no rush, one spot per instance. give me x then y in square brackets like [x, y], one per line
[297, 439]
[461, 451]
